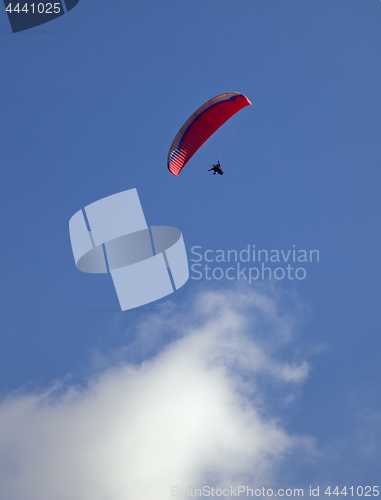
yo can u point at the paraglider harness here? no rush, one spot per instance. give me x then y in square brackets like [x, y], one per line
[217, 169]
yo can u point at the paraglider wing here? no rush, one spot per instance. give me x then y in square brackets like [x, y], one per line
[201, 125]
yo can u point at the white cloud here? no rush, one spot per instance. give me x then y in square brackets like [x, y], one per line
[192, 413]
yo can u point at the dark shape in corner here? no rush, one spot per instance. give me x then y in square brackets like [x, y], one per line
[70, 4]
[29, 14]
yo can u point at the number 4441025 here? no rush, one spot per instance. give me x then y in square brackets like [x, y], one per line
[360, 491]
[41, 8]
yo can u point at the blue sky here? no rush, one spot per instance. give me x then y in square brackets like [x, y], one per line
[91, 103]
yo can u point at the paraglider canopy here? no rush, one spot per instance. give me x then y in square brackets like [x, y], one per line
[201, 125]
